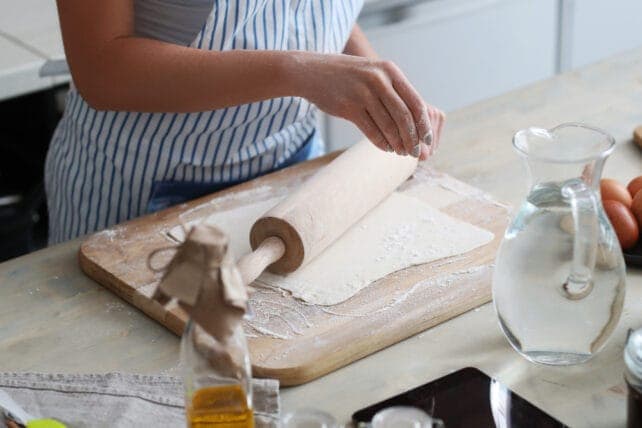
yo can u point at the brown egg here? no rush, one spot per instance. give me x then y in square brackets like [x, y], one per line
[613, 190]
[635, 185]
[624, 223]
[636, 207]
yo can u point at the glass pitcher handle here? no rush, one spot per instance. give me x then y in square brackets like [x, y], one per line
[584, 206]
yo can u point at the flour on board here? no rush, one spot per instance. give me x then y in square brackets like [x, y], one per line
[402, 231]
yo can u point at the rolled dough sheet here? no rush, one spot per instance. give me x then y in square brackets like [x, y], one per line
[402, 231]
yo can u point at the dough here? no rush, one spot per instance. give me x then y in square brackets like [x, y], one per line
[236, 222]
[402, 231]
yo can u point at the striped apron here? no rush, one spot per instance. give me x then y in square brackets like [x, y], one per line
[103, 167]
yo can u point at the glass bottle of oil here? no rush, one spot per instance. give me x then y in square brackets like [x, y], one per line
[217, 377]
[202, 277]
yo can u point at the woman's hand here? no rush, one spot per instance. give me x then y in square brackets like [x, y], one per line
[375, 96]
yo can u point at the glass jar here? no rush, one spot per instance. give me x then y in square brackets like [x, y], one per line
[404, 417]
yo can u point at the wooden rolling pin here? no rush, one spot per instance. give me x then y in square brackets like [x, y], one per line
[322, 209]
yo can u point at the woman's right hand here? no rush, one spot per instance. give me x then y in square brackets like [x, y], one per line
[374, 95]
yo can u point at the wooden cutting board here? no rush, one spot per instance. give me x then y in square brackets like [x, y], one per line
[296, 342]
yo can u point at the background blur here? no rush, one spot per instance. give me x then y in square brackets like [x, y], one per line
[456, 52]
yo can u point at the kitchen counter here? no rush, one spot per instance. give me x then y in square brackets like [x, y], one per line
[27, 41]
[54, 319]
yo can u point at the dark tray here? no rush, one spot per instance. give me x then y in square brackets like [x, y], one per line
[633, 256]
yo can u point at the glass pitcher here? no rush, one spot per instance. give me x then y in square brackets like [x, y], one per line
[558, 284]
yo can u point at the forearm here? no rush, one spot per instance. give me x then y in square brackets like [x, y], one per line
[137, 74]
[358, 44]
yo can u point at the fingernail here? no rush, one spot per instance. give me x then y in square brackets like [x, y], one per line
[416, 151]
[428, 137]
[389, 149]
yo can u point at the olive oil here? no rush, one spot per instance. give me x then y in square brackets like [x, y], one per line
[222, 406]
[217, 373]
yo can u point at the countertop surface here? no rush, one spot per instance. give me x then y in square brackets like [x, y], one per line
[27, 41]
[54, 319]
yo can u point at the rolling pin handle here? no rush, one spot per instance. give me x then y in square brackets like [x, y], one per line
[253, 264]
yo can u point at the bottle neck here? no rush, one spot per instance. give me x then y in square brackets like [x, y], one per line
[207, 361]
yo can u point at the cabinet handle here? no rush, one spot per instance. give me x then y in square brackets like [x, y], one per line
[402, 11]
[397, 14]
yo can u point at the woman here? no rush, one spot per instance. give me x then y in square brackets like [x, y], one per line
[172, 99]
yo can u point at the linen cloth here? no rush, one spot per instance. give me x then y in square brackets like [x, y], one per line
[119, 400]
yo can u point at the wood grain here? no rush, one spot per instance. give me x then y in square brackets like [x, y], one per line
[289, 340]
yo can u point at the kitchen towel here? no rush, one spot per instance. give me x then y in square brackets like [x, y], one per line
[120, 400]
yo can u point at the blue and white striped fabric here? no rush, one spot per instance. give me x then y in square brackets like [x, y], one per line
[101, 165]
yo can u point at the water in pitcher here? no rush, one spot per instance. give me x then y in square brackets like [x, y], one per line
[558, 286]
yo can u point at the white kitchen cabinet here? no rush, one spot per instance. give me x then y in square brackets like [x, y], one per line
[596, 29]
[456, 52]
